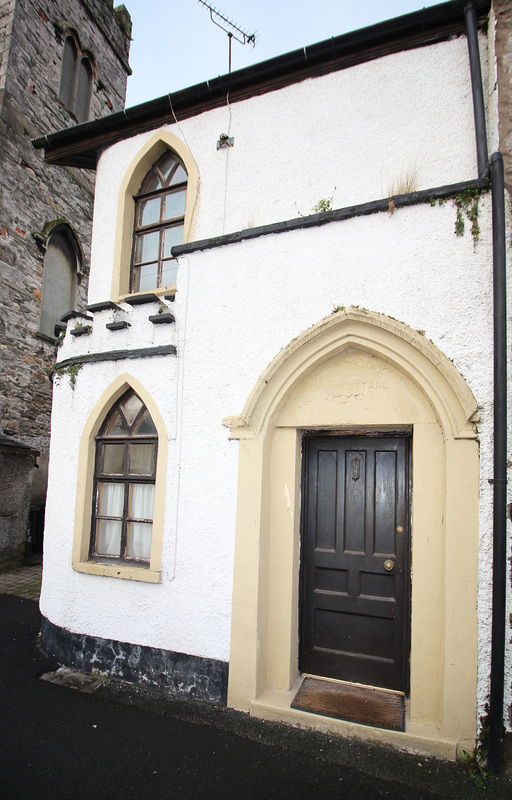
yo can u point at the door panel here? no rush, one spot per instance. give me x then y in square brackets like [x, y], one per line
[354, 595]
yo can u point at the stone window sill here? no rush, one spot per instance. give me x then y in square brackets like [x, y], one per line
[123, 571]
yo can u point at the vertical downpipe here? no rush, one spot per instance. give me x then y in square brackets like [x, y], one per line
[499, 480]
[478, 93]
[500, 467]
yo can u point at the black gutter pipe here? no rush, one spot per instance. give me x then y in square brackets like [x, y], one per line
[478, 94]
[499, 480]
[419, 27]
[500, 467]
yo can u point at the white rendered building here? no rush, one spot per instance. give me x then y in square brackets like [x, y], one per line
[271, 447]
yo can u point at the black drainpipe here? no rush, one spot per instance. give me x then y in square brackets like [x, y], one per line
[500, 467]
[499, 480]
[478, 94]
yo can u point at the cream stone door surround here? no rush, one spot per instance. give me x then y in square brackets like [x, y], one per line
[360, 370]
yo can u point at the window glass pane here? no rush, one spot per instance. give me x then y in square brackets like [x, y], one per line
[169, 272]
[122, 508]
[150, 211]
[166, 165]
[150, 183]
[110, 499]
[146, 426]
[172, 236]
[108, 537]
[175, 204]
[138, 541]
[131, 406]
[59, 273]
[113, 458]
[142, 497]
[180, 176]
[147, 247]
[141, 459]
[67, 76]
[116, 426]
[83, 93]
[146, 278]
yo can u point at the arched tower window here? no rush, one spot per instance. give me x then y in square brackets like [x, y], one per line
[159, 223]
[124, 483]
[83, 90]
[75, 80]
[61, 265]
[67, 75]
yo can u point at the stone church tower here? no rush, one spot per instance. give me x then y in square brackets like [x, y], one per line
[62, 62]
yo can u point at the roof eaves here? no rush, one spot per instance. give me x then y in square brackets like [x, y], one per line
[79, 146]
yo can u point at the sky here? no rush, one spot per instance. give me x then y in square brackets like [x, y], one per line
[176, 45]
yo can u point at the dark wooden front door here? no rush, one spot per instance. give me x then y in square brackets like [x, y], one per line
[355, 556]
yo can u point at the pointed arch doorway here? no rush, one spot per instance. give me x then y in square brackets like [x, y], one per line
[360, 372]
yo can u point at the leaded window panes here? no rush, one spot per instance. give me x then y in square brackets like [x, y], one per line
[159, 224]
[124, 483]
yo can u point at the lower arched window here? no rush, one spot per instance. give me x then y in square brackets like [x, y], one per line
[61, 266]
[124, 484]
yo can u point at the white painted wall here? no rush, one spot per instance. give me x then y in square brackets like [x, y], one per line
[236, 307]
[351, 135]
[357, 130]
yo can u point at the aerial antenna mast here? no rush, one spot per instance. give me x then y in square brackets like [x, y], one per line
[228, 26]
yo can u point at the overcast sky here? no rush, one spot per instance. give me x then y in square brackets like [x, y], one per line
[176, 45]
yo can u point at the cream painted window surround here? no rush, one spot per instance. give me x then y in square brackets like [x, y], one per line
[130, 185]
[409, 384]
[81, 559]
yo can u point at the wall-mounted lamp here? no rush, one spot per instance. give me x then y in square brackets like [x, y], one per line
[225, 141]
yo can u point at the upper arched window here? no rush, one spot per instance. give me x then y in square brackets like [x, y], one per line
[159, 224]
[67, 75]
[124, 483]
[75, 80]
[83, 89]
[61, 265]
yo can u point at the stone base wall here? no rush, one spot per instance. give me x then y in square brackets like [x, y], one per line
[15, 481]
[189, 676]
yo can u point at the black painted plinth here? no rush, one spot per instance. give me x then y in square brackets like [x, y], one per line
[181, 674]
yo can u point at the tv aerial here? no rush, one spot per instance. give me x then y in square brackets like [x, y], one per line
[228, 26]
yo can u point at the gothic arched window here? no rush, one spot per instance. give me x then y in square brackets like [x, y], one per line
[61, 265]
[159, 224]
[75, 80]
[124, 483]
[83, 89]
[67, 75]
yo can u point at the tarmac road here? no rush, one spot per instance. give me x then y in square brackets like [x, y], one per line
[123, 742]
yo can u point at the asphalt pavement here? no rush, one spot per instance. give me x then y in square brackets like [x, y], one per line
[119, 741]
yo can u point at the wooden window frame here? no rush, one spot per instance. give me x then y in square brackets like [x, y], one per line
[163, 224]
[126, 478]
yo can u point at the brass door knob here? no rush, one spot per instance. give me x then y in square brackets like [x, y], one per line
[389, 565]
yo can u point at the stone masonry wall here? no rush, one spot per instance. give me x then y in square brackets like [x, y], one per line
[34, 195]
[503, 13]
[6, 19]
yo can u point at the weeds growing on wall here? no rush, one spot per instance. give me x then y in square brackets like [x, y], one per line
[322, 205]
[476, 764]
[71, 370]
[467, 206]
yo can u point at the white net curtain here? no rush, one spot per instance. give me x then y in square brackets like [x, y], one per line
[125, 482]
